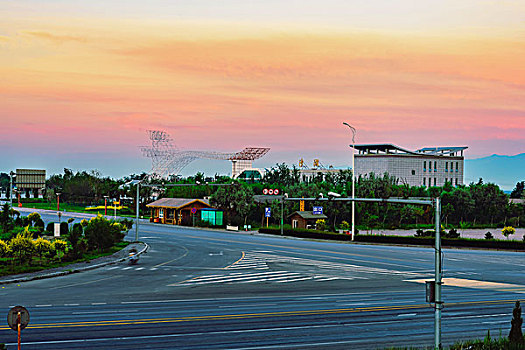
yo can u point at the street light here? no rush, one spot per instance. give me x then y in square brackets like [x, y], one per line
[353, 177]
[58, 201]
[106, 205]
[11, 175]
[135, 182]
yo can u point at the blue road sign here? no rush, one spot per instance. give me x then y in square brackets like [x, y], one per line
[318, 210]
[267, 212]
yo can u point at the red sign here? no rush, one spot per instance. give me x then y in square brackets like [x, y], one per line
[271, 191]
[193, 210]
[265, 191]
[276, 191]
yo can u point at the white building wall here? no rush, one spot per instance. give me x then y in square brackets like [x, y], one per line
[413, 170]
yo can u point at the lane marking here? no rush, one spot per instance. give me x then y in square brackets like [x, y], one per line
[178, 258]
[84, 283]
[253, 315]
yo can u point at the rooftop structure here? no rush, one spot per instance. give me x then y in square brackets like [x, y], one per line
[169, 160]
[429, 166]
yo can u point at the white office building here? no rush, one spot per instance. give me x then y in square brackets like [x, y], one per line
[430, 166]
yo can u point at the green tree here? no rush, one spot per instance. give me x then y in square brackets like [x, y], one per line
[518, 191]
[6, 220]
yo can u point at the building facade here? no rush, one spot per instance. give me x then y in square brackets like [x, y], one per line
[431, 166]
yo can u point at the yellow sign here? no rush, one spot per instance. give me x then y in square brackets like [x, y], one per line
[301, 206]
[116, 203]
[316, 163]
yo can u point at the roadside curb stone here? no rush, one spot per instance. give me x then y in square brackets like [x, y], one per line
[117, 257]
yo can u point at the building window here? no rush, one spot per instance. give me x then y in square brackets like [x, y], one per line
[435, 166]
[413, 172]
[435, 181]
[457, 163]
[429, 166]
[446, 166]
[424, 181]
[425, 165]
[456, 182]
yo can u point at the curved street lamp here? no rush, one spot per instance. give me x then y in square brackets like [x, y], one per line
[353, 177]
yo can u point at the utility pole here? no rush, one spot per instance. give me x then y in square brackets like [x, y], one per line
[438, 301]
[137, 217]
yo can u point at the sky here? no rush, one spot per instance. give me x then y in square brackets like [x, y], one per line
[83, 81]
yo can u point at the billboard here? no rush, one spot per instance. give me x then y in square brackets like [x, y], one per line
[30, 179]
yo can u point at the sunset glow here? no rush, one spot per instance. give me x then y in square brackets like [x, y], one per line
[94, 78]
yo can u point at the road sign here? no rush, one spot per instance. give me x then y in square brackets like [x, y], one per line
[12, 317]
[276, 191]
[265, 191]
[318, 210]
[267, 212]
[270, 191]
[193, 210]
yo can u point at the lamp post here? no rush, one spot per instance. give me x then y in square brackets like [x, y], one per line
[106, 205]
[58, 201]
[353, 177]
[11, 174]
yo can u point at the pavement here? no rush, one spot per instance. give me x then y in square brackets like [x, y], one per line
[76, 267]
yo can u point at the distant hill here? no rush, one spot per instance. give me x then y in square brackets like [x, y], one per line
[504, 171]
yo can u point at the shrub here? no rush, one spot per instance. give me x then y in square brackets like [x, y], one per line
[320, 224]
[64, 228]
[101, 233]
[22, 246]
[42, 247]
[345, 225]
[33, 217]
[453, 233]
[39, 225]
[59, 245]
[516, 335]
[489, 235]
[50, 227]
[507, 231]
[4, 249]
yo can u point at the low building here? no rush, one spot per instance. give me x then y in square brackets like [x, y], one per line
[177, 211]
[305, 219]
[430, 166]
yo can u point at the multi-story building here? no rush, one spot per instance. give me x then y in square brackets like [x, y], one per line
[430, 166]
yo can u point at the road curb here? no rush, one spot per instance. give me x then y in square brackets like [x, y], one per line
[67, 272]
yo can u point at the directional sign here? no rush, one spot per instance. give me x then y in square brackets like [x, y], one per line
[267, 212]
[12, 317]
[318, 210]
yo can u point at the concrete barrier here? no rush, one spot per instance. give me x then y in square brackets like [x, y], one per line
[232, 228]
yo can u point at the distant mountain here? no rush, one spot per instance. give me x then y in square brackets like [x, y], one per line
[504, 171]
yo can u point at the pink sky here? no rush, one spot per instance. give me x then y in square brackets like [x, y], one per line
[94, 79]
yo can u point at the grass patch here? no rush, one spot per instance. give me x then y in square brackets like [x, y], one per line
[7, 269]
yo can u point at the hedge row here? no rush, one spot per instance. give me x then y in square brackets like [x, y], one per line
[426, 241]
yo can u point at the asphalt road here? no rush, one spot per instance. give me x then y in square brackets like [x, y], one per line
[201, 289]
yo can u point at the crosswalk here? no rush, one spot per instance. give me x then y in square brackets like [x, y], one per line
[269, 267]
[261, 259]
[258, 277]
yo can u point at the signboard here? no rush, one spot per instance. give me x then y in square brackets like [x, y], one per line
[12, 317]
[270, 191]
[30, 178]
[267, 212]
[193, 210]
[301, 205]
[57, 229]
[318, 210]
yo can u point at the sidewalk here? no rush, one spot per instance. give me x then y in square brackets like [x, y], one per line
[76, 267]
